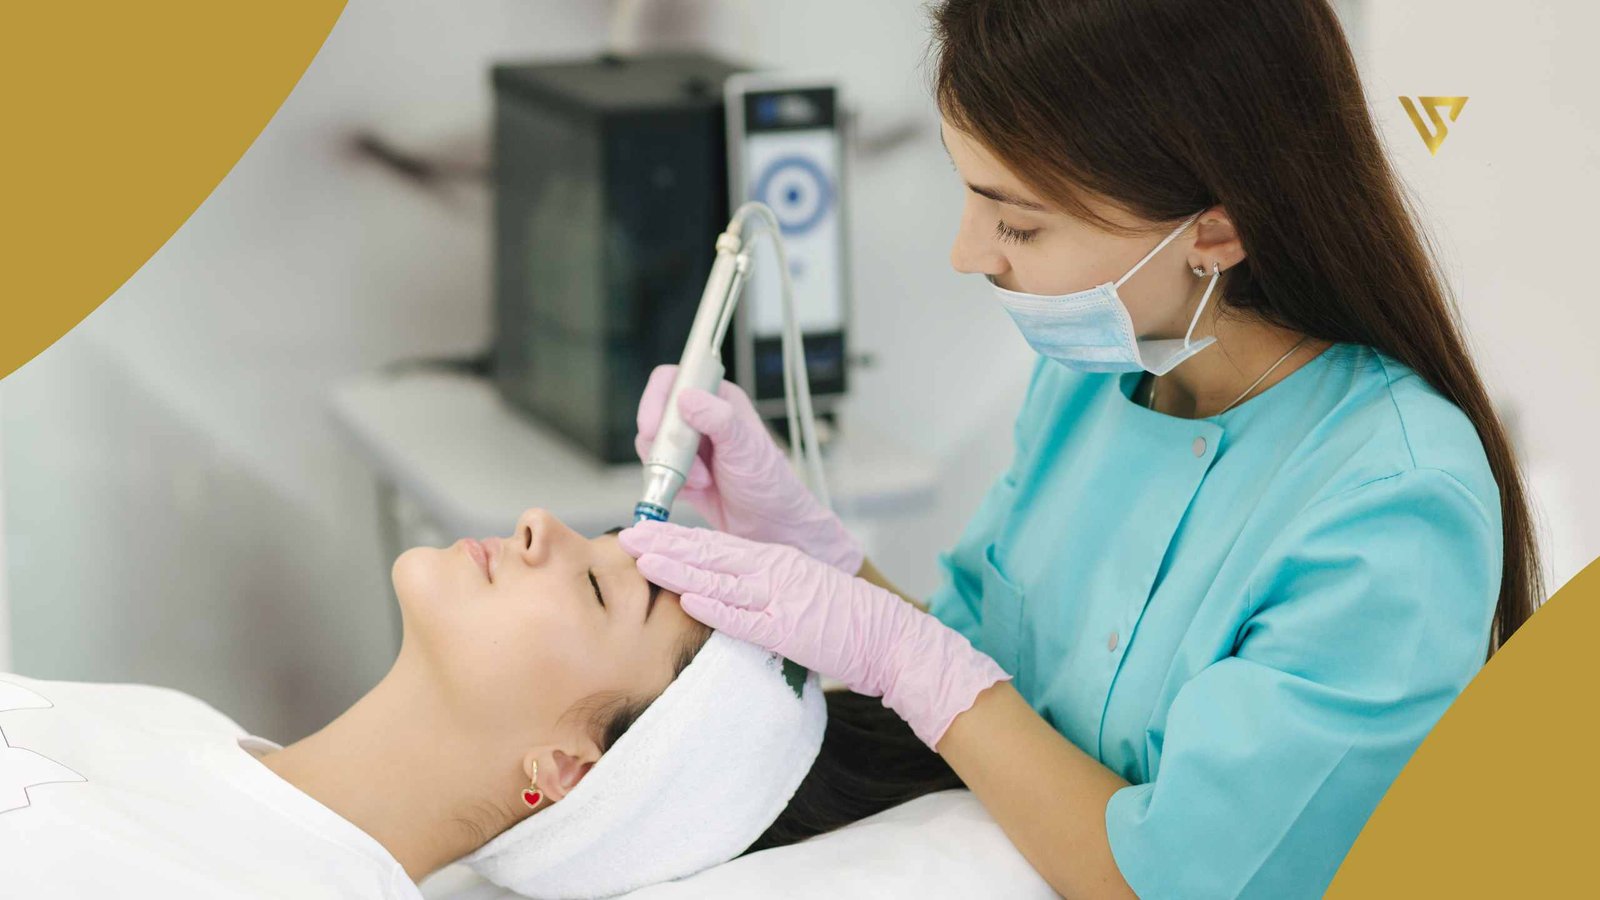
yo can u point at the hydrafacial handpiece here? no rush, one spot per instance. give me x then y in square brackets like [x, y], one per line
[676, 443]
[700, 367]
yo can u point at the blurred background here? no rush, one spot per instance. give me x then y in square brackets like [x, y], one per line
[182, 503]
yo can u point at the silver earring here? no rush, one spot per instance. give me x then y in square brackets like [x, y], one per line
[1198, 272]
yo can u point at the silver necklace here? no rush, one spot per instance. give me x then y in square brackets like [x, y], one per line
[1253, 385]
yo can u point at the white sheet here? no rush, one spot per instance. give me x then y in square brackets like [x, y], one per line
[943, 845]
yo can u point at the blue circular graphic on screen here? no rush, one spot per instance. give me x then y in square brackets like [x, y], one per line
[797, 190]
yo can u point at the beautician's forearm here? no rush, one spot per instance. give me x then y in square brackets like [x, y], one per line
[870, 573]
[1048, 796]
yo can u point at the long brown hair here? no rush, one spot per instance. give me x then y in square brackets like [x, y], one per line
[1164, 107]
[870, 760]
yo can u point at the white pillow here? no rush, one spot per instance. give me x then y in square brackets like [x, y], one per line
[936, 846]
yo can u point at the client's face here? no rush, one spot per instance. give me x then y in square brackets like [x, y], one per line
[516, 631]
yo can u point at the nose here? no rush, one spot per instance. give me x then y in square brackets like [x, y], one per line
[535, 530]
[974, 251]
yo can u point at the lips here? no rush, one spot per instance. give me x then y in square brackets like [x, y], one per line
[479, 554]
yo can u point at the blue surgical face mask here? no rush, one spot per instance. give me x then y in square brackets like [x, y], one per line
[1091, 330]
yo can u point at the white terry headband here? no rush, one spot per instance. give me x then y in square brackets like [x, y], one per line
[691, 784]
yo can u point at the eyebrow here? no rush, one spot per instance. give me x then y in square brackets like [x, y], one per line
[995, 194]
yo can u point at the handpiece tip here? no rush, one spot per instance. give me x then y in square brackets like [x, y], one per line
[646, 512]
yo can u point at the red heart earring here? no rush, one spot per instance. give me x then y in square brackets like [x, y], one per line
[532, 795]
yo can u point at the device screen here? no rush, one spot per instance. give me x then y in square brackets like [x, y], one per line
[790, 162]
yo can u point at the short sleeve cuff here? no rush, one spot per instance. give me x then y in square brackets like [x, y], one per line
[1124, 811]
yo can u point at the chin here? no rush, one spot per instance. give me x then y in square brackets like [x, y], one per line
[417, 575]
[421, 576]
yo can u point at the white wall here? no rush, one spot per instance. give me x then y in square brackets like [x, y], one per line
[179, 510]
[1511, 198]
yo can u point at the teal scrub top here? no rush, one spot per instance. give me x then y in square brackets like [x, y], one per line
[1253, 618]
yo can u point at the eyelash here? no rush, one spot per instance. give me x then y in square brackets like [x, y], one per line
[596, 585]
[1013, 235]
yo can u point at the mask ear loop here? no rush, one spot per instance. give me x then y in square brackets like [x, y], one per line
[1216, 272]
[1164, 241]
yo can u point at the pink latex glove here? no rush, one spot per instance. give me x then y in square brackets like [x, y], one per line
[808, 611]
[742, 482]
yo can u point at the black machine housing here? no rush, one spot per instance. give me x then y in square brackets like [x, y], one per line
[611, 186]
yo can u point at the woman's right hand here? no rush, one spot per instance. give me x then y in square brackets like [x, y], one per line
[741, 482]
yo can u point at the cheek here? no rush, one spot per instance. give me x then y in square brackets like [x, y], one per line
[510, 660]
[1050, 268]
[515, 677]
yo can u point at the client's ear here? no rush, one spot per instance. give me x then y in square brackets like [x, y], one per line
[561, 767]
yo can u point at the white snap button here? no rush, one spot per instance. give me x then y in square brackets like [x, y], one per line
[1111, 641]
[1199, 446]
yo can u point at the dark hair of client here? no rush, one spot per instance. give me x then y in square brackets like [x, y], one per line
[870, 758]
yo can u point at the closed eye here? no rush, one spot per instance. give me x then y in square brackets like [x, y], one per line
[655, 589]
[1013, 235]
[596, 585]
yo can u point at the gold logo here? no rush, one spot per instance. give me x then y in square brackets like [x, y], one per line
[1433, 104]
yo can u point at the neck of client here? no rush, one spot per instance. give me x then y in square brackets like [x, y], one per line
[393, 766]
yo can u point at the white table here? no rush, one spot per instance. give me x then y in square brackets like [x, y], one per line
[453, 459]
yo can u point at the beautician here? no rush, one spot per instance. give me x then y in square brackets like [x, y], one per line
[1262, 524]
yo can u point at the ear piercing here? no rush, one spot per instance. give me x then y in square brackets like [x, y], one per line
[532, 795]
[1200, 272]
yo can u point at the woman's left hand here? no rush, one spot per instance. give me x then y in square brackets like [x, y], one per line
[812, 613]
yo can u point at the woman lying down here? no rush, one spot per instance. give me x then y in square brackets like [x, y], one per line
[552, 720]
